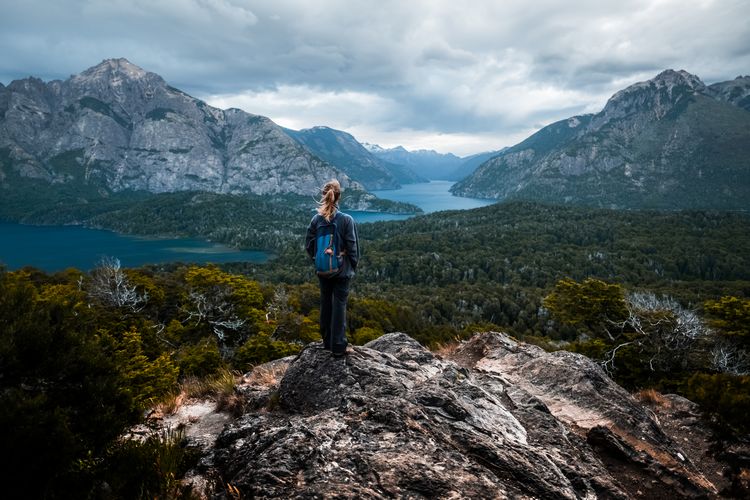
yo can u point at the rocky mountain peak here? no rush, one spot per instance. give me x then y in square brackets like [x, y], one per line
[372, 147]
[670, 78]
[655, 96]
[651, 100]
[342, 150]
[116, 127]
[115, 80]
[29, 84]
[110, 69]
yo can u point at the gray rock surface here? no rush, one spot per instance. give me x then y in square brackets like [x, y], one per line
[622, 432]
[497, 420]
[735, 91]
[118, 127]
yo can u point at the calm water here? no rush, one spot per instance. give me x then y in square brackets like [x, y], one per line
[53, 248]
[430, 196]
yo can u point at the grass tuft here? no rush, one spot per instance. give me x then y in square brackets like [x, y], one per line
[652, 397]
[268, 374]
[218, 387]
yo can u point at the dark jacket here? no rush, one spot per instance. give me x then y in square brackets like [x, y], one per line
[347, 231]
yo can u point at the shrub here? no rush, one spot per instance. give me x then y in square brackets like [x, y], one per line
[261, 349]
[365, 334]
[725, 397]
[200, 359]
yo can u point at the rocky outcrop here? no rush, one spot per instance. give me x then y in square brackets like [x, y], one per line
[498, 419]
[735, 91]
[670, 142]
[116, 127]
[621, 431]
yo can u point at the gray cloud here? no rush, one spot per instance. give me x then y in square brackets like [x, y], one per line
[425, 73]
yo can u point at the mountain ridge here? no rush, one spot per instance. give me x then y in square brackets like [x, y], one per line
[431, 164]
[116, 127]
[342, 150]
[646, 149]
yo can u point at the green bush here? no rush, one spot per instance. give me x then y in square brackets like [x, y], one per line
[365, 334]
[146, 380]
[725, 397]
[200, 360]
[63, 397]
[261, 349]
[591, 304]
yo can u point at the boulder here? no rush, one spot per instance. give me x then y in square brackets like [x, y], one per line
[623, 433]
[394, 420]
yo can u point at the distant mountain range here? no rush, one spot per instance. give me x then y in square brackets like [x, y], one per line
[116, 127]
[384, 168]
[671, 142]
[342, 150]
[431, 164]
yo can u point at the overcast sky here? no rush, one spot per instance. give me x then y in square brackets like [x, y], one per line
[459, 77]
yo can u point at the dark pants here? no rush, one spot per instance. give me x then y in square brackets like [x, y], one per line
[334, 293]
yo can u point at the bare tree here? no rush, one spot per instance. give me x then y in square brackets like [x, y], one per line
[658, 326]
[215, 307]
[109, 284]
[279, 305]
[728, 357]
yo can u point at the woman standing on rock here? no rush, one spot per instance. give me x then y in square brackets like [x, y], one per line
[333, 245]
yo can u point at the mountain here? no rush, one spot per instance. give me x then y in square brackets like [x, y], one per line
[735, 91]
[344, 152]
[116, 127]
[470, 163]
[667, 143]
[426, 163]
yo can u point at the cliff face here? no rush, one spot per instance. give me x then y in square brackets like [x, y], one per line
[670, 142]
[116, 127]
[496, 419]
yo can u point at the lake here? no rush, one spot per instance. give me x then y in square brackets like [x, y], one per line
[430, 196]
[54, 248]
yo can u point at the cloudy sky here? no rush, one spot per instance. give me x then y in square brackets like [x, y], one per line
[459, 77]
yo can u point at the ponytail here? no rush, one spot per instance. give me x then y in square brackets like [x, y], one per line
[329, 199]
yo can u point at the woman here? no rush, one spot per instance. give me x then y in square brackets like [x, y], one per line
[334, 285]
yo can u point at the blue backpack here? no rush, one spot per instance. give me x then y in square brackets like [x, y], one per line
[329, 255]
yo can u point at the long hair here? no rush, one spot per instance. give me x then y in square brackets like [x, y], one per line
[329, 199]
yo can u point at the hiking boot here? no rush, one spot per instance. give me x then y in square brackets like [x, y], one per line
[341, 354]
